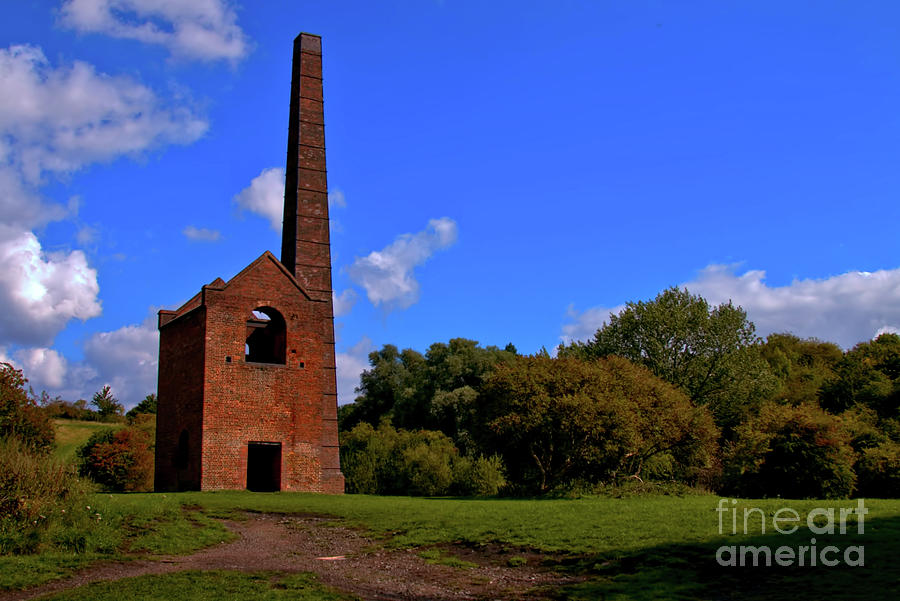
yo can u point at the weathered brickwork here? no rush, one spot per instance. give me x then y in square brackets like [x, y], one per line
[217, 399]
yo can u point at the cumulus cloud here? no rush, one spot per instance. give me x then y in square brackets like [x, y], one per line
[387, 274]
[45, 368]
[40, 291]
[265, 196]
[200, 29]
[350, 365]
[60, 119]
[846, 308]
[201, 234]
[125, 359]
[55, 120]
[343, 302]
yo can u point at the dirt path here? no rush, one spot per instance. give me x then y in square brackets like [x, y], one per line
[314, 544]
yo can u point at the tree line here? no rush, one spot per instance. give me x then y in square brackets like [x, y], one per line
[669, 390]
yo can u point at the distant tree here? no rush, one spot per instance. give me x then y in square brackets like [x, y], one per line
[20, 416]
[108, 406]
[558, 420]
[710, 352]
[868, 375]
[148, 405]
[434, 391]
[801, 366]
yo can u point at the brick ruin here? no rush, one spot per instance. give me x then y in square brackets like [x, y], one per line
[247, 389]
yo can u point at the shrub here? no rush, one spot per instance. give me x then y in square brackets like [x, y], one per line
[796, 452]
[36, 491]
[560, 420]
[483, 476]
[118, 460]
[20, 417]
[878, 470]
[388, 461]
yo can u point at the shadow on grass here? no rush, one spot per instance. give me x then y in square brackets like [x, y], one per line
[675, 572]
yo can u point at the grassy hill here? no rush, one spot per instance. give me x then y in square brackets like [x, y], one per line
[71, 434]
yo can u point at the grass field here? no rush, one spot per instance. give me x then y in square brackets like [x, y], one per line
[71, 434]
[650, 547]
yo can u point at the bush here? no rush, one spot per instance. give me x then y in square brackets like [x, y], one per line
[388, 461]
[795, 452]
[556, 421]
[878, 470]
[20, 417]
[36, 491]
[118, 460]
[483, 476]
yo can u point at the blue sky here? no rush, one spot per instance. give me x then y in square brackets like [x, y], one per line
[507, 172]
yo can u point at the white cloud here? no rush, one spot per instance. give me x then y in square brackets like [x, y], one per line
[585, 324]
[343, 302]
[349, 367]
[55, 120]
[201, 234]
[199, 29]
[60, 119]
[336, 198]
[846, 308]
[886, 330]
[265, 196]
[39, 291]
[45, 368]
[125, 359]
[387, 275]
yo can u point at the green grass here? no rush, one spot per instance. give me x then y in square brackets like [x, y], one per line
[647, 547]
[128, 526]
[632, 548]
[71, 434]
[207, 586]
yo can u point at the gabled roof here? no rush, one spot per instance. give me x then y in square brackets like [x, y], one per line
[266, 256]
[220, 284]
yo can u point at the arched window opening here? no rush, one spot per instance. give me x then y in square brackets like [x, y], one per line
[266, 339]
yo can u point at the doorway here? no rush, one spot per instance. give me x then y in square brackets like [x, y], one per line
[264, 466]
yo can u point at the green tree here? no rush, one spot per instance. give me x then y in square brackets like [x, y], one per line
[868, 375]
[108, 406]
[385, 460]
[791, 451]
[434, 391]
[801, 366]
[559, 420]
[20, 416]
[710, 352]
[147, 406]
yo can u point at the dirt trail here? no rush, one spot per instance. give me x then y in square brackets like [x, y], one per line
[298, 544]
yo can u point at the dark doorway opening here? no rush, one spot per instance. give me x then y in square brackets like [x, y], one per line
[264, 466]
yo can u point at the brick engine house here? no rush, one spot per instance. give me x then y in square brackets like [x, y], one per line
[247, 389]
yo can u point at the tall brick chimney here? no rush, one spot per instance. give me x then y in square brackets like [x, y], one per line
[305, 246]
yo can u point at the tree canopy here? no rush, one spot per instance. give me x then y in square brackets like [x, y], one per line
[710, 352]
